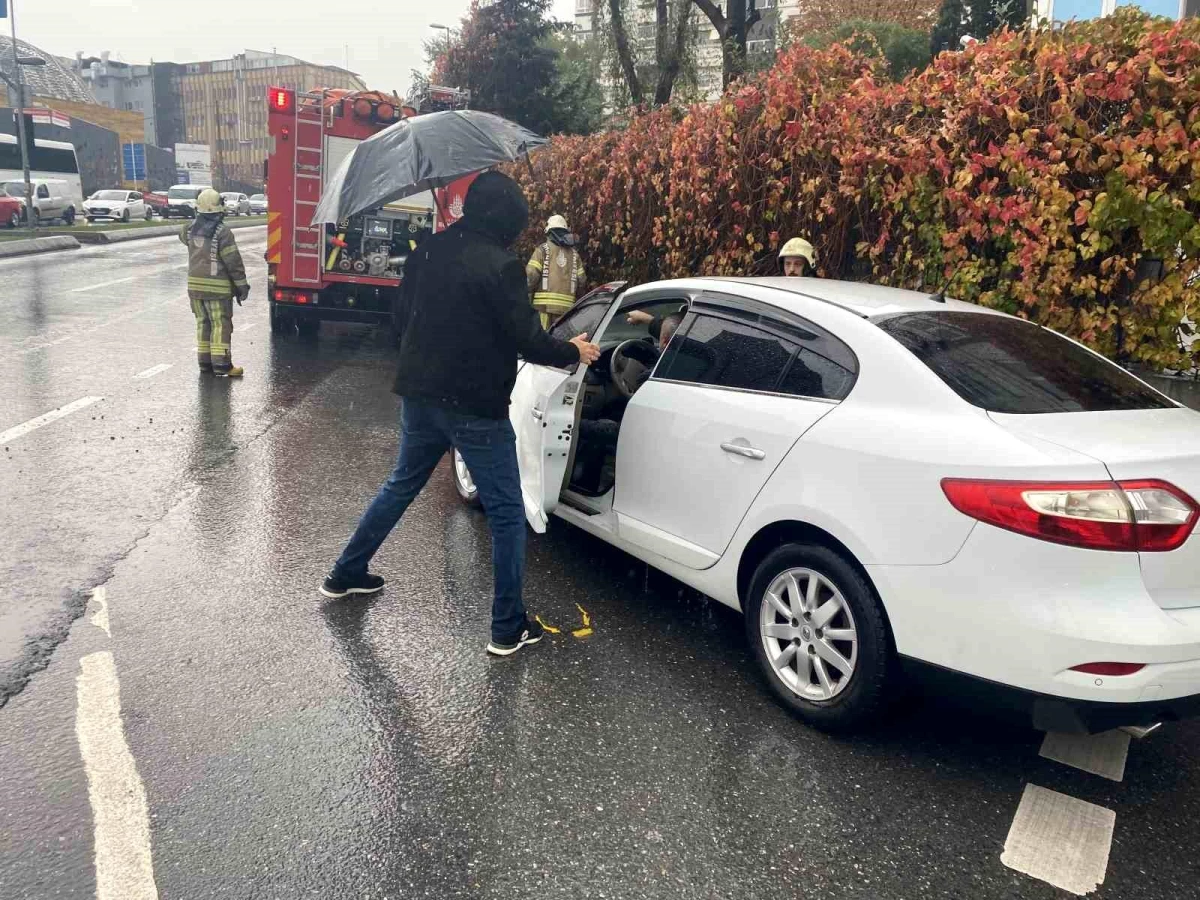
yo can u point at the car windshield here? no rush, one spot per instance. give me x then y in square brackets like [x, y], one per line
[1008, 365]
[258, 197]
[13, 188]
[229, 196]
[109, 195]
[184, 193]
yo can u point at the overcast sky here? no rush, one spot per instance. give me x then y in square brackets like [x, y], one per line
[380, 39]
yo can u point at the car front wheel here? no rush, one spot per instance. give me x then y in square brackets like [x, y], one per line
[14, 220]
[463, 482]
[819, 636]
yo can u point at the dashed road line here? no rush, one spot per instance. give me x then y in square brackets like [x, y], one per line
[153, 370]
[99, 616]
[1060, 840]
[121, 820]
[104, 284]
[46, 418]
[1101, 754]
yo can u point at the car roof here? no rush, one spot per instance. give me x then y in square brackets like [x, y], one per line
[871, 301]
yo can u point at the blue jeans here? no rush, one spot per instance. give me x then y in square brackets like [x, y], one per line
[489, 448]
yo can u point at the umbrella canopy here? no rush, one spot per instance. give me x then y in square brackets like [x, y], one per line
[419, 154]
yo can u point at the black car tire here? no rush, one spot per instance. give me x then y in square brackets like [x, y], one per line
[125, 215]
[308, 328]
[875, 670]
[281, 322]
[14, 220]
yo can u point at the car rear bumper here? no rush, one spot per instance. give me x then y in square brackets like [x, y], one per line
[1023, 613]
[1046, 712]
[332, 313]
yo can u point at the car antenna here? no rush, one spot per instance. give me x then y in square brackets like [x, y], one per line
[939, 296]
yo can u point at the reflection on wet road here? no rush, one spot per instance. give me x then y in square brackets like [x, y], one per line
[294, 747]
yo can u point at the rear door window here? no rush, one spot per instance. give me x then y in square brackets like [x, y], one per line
[1007, 365]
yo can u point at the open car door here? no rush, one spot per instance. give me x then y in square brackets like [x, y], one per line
[545, 409]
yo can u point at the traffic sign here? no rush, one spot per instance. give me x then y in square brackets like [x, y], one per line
[135, 161]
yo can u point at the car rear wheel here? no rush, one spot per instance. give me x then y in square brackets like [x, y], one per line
[308, 327]
[14, 220]
[148, 215]
[819, 636]
[463, 482]
[281, 322]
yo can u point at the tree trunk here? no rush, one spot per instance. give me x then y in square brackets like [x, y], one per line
[732, 29]
[624, 53]
[670, 48]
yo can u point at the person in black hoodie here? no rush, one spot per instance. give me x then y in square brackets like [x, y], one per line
[464, 317]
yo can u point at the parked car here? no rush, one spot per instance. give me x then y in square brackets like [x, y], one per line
[258, 204]
[52, 199]
[235, 204]
[10, 209]
[883, 482]
[116, 205]
[181, 200]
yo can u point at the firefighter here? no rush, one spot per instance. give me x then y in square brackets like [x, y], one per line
[216, 277]
[798, 257]
[555, 271]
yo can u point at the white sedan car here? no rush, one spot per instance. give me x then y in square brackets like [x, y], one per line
[883, 482]
[115, 205]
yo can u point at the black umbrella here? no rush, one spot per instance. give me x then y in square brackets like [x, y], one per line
[420, 154]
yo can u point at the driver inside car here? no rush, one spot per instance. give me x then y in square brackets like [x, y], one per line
[598, 437]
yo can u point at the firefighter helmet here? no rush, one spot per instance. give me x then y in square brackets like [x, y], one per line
[209, 202]
[799, 247]
[556, 222]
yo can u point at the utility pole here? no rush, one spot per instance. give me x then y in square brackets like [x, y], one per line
[30, 215]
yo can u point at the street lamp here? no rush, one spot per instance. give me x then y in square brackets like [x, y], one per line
[19, 87]
[445, 28]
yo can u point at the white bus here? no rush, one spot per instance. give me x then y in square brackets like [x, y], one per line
[50, 161]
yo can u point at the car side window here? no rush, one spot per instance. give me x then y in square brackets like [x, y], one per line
[135, 197]
[723, 353]
[43, 192]
[824, 367]
[583, 319]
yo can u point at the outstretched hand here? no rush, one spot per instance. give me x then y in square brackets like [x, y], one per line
[588, 353]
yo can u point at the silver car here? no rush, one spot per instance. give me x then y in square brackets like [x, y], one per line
[235, 204]
[258, 204]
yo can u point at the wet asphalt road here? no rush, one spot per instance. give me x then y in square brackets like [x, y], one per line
[295, 747]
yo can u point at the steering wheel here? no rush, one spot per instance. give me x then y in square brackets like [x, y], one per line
[628, 374]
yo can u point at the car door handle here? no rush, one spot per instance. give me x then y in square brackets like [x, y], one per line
[743, 450]
[537, 414]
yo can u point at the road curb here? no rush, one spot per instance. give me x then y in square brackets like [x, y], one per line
[9, 249]
[138, 234]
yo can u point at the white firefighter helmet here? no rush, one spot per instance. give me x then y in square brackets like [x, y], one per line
[799, 247]
[209, 202]
[555, 222]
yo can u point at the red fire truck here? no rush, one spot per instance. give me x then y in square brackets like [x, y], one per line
[351, 271]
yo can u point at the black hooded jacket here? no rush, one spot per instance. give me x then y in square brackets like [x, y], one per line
[464, 310]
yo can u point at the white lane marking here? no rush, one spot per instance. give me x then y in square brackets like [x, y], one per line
[1101, 754]
[46, 418]
[153, 370]
[121, 821]
[241, 329]
[100, 614]
[1060, 840]
[102, 284]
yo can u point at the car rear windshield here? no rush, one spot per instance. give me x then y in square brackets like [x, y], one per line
[183, 193]
[1008, 365]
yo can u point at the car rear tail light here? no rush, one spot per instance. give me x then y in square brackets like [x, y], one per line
[279, 297]
[1099, 515]
[1114, 669]
[302, 298]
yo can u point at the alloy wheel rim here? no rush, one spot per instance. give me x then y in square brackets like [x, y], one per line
[462, 474]
[809, 634]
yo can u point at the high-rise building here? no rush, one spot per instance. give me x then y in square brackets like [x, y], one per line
[219, 103]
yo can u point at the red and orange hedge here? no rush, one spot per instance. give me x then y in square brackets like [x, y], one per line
[1034, 171]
